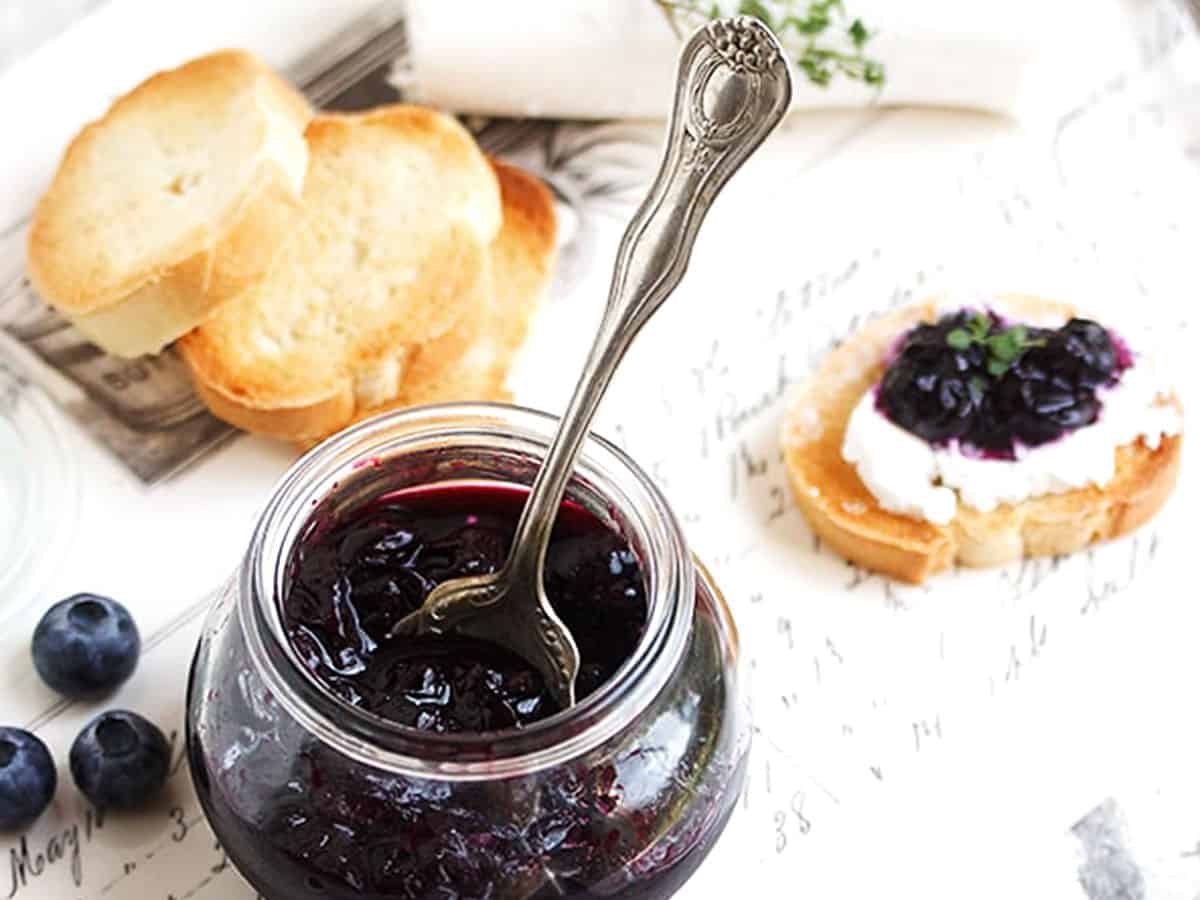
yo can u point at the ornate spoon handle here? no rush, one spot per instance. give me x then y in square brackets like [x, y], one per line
[733, 88]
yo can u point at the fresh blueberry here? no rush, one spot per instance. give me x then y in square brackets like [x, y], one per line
[120, 761]
[86, 645]
[27, 778]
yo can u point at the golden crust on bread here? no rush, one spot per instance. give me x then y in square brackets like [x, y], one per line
[172, 202]
[844, 513]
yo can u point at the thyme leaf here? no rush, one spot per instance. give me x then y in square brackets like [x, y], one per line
[825, 42]
[1003, 347]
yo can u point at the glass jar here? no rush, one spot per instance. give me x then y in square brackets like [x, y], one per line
[622, 795]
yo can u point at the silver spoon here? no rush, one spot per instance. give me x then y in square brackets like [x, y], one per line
[732, 89]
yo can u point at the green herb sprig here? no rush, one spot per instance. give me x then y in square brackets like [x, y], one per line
[1003, 348]
[825, 40]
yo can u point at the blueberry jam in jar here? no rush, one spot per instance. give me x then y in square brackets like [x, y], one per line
[996, 386]
[336, 762]
[352, 581]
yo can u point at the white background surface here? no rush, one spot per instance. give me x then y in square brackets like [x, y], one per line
[983, 772]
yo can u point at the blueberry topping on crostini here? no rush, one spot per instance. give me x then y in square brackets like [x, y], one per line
[994, 386]
[120, 760]
[27, 778]
[86, 645]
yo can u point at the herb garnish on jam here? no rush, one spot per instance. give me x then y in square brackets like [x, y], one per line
[825, 42]
[1003, 346]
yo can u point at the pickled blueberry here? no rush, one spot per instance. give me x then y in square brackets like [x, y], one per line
[1031, 413]
[120, 760]
[86, 645]
[934, 393]
[352, 579]
[27, 778]
[1090, 347]
[995, 386]
[1035, 402]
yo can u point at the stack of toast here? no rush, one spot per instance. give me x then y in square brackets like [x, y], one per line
[311, 268]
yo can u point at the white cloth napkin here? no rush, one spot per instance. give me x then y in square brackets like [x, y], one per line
[616, 58]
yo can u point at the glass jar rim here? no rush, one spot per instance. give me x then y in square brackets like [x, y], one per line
[381, 743]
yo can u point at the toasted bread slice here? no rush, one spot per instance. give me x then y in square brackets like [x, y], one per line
[172, 203]
[472, 360]
[390, 252]
[844, 513]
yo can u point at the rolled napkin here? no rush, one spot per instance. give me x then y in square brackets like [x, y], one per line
[600, 59]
